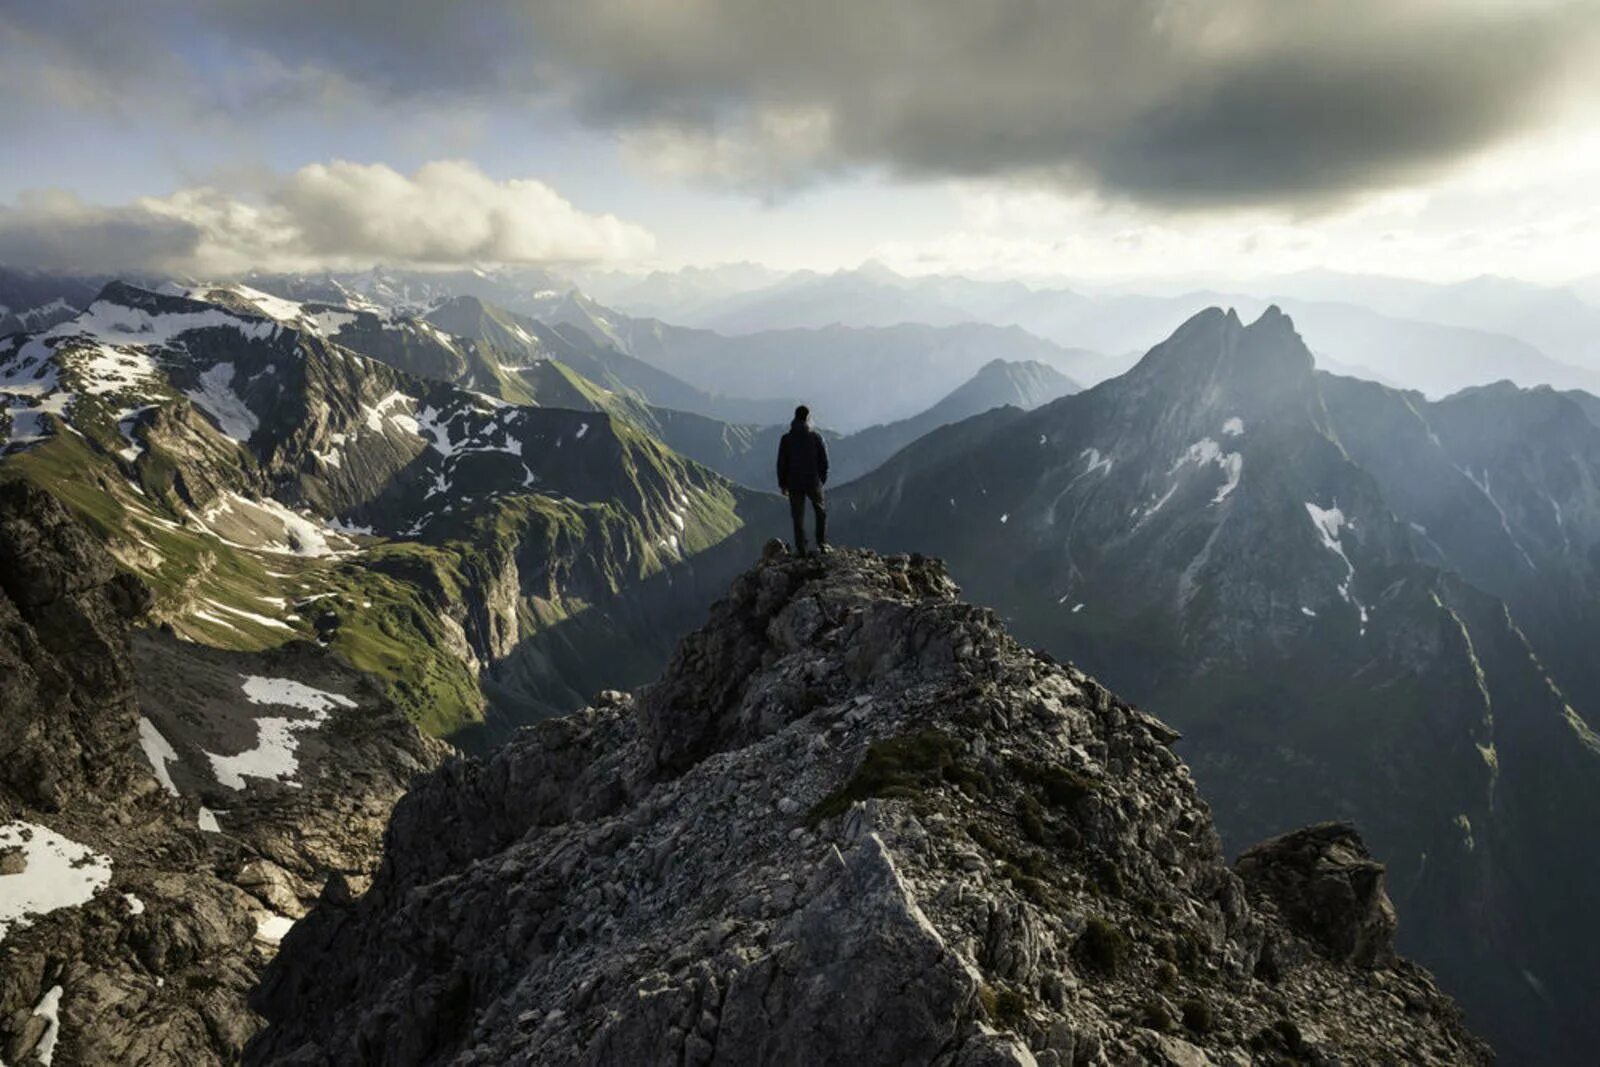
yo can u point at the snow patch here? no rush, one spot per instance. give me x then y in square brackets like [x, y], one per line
[302, 537]
[217, 398]
[159, 751]
[207, 821]
[377, 413]
[113, 323]
[292, 694]
[275, 755]
[436, 430]
[1233, 468]
[1205, 452]
[1096, 461]
[213, 618]
[1233, 427]
[350, 529]
[328, 321]
[58, 873]
[125, 424]
[272, 927]
[27, 426]
[259, 620]
[1330, 524]
[48, 1009]
[275, 307]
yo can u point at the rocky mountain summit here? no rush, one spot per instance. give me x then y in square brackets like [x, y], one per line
[853, 822]
[166, 811]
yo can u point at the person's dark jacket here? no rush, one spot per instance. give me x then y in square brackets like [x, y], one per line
[802, 459]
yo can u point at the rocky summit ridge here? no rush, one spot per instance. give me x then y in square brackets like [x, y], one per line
[854, 822]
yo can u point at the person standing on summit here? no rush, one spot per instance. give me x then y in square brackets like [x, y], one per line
[802, 472]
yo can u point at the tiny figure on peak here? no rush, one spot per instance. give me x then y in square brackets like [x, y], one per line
[802, 472]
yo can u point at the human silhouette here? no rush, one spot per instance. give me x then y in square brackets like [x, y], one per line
[802, 472]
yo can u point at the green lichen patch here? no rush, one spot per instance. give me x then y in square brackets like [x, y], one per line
[906, 767]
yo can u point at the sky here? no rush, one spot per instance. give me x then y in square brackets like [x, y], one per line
[1095, 139]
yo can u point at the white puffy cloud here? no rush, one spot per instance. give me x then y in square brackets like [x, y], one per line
[339, 214]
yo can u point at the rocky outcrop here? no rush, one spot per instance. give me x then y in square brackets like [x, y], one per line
[64, 612]
[853, 822]
[140, 895]
[1329, 891]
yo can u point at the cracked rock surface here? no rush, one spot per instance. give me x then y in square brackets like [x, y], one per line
[854, 822]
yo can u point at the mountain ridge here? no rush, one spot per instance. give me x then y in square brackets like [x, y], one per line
[852, 821]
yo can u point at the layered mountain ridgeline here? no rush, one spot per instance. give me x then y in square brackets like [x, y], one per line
[855, 376]
[475, 345]
[614, 378]
[270, 484]
[854, 822]
[460, 337]
[1416, 335]
[1351, 601]
[166, 812]
[746, 453]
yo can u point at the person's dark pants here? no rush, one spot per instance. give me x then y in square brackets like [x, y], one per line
[797, 509]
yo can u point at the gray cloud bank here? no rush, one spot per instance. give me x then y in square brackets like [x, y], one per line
[1176, 103]
[324, 215]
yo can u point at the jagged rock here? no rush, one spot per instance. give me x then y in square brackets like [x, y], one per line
[1328, 889]
[63, 611]
[150, 956]
[986, 859]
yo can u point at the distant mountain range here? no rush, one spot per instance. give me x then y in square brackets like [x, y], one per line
[851, 376]
[1435, 338]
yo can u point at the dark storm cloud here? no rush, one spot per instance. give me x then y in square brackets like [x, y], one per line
[1165, 101]
[61, 232]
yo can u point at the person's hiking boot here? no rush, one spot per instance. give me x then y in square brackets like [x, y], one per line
[823, 548]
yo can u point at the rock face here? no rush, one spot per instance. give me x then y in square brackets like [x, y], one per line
[854, 822]
[133, 920]
[1326, 886]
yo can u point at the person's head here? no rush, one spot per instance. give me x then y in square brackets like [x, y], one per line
[802, 414]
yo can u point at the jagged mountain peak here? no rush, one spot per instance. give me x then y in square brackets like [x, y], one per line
[1216, 348]
[853, 822]
[461, 302]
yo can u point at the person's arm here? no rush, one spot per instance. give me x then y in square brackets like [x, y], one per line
[783, 463]
[822, 460]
